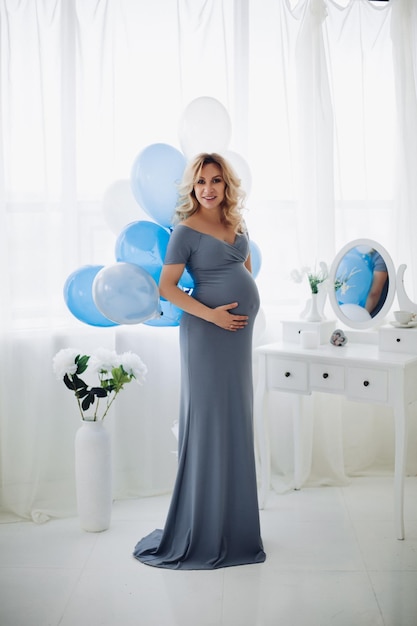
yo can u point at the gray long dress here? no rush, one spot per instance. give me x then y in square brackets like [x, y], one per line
[213, 519]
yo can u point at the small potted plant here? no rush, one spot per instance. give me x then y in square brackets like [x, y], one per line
[315, 278]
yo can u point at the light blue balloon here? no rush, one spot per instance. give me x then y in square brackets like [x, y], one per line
[156, 173]
[78, 296]
[356, 275]
[170, 315]
[256, 258]
[126, 293]
[145, 244]
[186, 281]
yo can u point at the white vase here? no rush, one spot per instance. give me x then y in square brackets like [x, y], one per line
[93, 476]
[313, 315]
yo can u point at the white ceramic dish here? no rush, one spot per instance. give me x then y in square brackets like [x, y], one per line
[412, 324]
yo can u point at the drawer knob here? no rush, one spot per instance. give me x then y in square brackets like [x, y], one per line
[366, 383]
[398, 339]
[325, 375]
[287, 374]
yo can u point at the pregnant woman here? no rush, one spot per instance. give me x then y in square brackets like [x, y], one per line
[213, 519]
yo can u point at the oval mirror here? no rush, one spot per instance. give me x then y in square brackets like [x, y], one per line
[363, 276]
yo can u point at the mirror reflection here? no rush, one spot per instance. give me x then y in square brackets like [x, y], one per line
[361, 283]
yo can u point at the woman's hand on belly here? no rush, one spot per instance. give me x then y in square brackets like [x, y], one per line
[222, 317]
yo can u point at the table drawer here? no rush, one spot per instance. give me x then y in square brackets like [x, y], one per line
[327, 377]
[398, 340]
[367, 384]
[286, 374]
[291, 330]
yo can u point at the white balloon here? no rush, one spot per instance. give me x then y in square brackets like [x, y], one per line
[127, 293]
[120, 207]
[241, 168]
[355, 312]
[205, 126]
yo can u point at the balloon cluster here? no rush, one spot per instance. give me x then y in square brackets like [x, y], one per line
[127, 291]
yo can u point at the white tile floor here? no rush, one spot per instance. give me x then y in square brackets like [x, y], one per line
[332, 559]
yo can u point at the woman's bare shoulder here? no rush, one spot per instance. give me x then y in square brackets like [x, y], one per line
[191, 221]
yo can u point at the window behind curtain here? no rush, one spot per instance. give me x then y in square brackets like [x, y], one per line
[85, 85]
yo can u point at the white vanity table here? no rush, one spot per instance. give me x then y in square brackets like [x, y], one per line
[359, 371]
[383, 372]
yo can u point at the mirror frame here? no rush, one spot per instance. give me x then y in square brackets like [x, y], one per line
[374, 321]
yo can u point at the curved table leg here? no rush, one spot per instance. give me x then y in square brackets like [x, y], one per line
[303, 416]
[401, 434]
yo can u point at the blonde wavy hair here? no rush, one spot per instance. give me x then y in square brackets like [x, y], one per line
[233, 194]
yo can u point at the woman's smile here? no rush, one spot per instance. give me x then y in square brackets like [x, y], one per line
[209, 188]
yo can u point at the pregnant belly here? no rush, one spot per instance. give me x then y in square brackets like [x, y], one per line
[223, 287]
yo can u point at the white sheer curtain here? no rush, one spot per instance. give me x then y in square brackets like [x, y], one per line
[322, 99]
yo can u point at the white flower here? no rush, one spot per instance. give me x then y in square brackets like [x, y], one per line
[341, 282]
[296, 276]
[113, 372]
[103, 360]
[324, 269]
[134, 366]
[64, 362]
[314, 278]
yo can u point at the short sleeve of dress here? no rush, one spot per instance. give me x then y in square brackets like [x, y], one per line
[179, 246]
[379, 263]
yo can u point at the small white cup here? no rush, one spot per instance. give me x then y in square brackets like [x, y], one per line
[309, 339]
[403, 317]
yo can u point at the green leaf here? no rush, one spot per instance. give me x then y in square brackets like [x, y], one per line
[82, 363]
[99, 392]
[120, 377]
[88, 401]
[78, 383]
[74, 383]
[108, 385]
[69, 382]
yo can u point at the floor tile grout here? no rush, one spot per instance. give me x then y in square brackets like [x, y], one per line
[329, 542]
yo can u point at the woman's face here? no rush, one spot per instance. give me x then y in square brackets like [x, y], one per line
[210, 186]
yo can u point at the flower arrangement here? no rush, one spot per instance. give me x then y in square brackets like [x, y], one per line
[341, 282]
[113, 371]
[314, 277]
